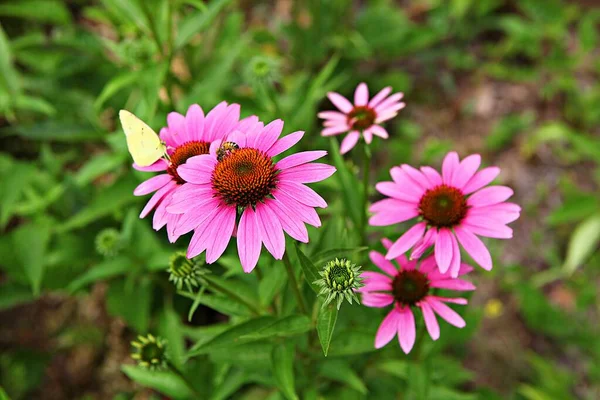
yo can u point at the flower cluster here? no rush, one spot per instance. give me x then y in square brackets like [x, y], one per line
[223, 177]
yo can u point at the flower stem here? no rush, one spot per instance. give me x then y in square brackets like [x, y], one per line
[294, 283]
[189, 385]
[233, 296]
[365, 181]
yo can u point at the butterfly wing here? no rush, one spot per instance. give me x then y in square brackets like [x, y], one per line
[143, 143]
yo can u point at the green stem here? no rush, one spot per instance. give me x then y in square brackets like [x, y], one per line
[294, 283]
[365, 181]
[189, 385]
[233, 296]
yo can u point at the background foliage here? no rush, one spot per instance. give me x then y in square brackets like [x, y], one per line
[513, 80]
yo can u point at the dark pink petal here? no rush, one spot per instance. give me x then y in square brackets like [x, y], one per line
[446, 313]
[449, 167]
[489, 196]
[340, 102]
[416, 176]
[220, 235]
[432, 176]
[387, 243]
[388, 329]
[385, 265]
[379, 97]
[268, 136]
[406, 183]
[395, 190]
[197, 169]
[375, 282]
[390, 204]
[160, 165]
[480, 179]
[271, 231]
[406, 241]
[157, 197]
[248, 240]
[393, 99]
[297, 209]
[300, 158]
[423, 244]
[405, 264]
[466, 170]
[302, 193]
[475, 247]
[377, 300]
[293, 226]
[285, 143]
[349, 142]
[443, 249]
[487, 227]
[430, 320]
[192, 220]
[195, 122]
[406, 329]
[379, 131]
[387, 115]
[188, 196]
[199, 240]
[361, 95]
[335, 130]
[452, 284]
[429, 266]
[333, 115]
[453, 300]
[307, 173]
[165, 136]
[455, 262]
[172, 222]
[384, 218]
[152, 184]
[249, 125]
[223, 124]
[160, 217]
[177, 128]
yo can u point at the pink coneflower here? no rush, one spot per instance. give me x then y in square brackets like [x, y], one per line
[451, 208]
[410, 287]
[240, 176]
[185, 136]
[363, 117]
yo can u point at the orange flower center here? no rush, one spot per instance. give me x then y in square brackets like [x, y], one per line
[443, 206]
[361, 117]
[244, 177]
[410, 286]
[182, 153]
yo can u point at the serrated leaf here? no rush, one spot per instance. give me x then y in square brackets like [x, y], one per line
[30, 242]
[326, 324]
[583, 243]
[283, 369]
[311, 272]
[165, 382]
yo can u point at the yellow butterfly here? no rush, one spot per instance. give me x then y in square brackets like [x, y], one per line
[143, 143]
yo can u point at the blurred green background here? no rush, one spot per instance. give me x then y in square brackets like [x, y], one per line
[516, 81]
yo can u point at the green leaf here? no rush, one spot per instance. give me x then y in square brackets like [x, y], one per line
[311, 273]
[115, 85]
[105, 270]
[165, 382]
[241, 288]
[219, 303]
[351, 342]
[272, 283]
[12, 295]
[583, 243]
[197, 22]
[283, 369]
[113, 198]
[35, 104]
[508, 128]
[53, 130]
[3, 395]
[31, 244]
[253, 330]
[8, 73]
[395, 368]
[130, 11]
[50, 11]
[132, 301]
[340, 371]
[418, 381]
[13, 181]
[575, 208]
[326, 324]
[169, 327]
[327, 255]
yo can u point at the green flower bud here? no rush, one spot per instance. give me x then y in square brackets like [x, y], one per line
[183, 271]
[340, 280]
[262, 70]
[150, 352]
[109, 242]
